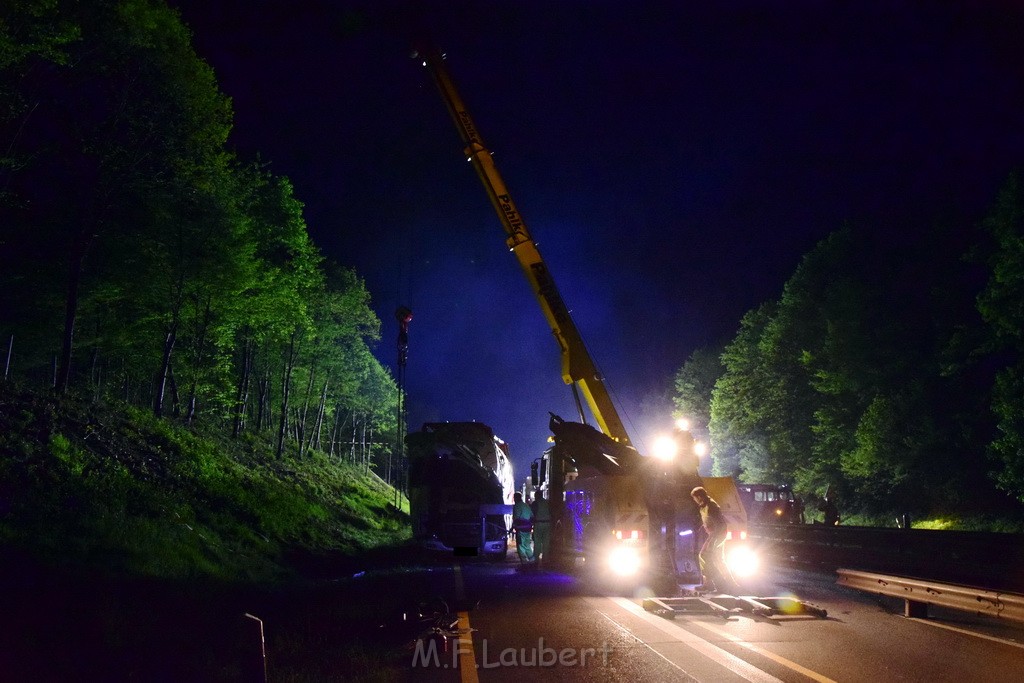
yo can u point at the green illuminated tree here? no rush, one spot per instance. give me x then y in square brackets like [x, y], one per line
[694, 383]
[140, 253]
[115, 110]
[739, 426]
[1001, 305]
[841, 383]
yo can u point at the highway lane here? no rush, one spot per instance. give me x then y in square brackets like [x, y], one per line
[551, 626]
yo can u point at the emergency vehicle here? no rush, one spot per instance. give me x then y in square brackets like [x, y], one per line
[627, 513]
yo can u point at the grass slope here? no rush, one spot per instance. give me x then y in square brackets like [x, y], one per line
[116, 491]
[135, 549]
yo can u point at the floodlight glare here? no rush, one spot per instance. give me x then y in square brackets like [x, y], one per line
[665, 448]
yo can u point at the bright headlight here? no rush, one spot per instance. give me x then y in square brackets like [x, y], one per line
[742, 561]
[624, 561]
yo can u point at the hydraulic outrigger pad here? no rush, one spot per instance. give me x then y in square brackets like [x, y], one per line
[727, 605]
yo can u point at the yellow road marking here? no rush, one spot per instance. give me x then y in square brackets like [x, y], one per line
[467, 656]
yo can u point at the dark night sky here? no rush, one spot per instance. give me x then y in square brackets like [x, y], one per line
[673, 160]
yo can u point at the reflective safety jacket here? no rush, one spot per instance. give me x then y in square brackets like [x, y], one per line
[713, 519]
[541, 511]
[522, 517]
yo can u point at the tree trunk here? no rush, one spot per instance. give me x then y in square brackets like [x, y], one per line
[93, 363]
[320, 417]
[172, 384]
[10, 348]
[263, 399]
[268, 399]
[197, 362]
[336, 432]
[96, 375]
[242, 395]
[162, 376]
[314, 433]
[126, 387]
[363, 445]
[286, 382]
[300, 430]
[352, 447]
[368, 436]
[76, 262]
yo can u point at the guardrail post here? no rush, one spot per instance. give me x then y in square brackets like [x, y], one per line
[255, 663]
[915, 609]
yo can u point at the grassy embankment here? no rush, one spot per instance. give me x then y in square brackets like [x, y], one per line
[137, 544]
[117, 490]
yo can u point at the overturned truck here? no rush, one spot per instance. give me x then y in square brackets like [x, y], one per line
[461, 485]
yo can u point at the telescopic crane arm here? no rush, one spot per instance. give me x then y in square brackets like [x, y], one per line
[578, 369]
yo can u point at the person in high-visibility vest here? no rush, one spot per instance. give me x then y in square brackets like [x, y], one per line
[522, 523]
[715, 574]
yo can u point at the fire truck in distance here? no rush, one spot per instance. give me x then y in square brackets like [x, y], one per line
[627, 513]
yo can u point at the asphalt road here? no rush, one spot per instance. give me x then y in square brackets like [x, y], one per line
[553, 626]
[361, 624]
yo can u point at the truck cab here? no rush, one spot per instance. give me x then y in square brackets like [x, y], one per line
[771, 504]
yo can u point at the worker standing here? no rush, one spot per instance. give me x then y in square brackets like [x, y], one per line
[829, 507]
[715, 574]
[522, 524]
[541, 529]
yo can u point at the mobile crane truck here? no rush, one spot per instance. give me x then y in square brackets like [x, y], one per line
[629, 514]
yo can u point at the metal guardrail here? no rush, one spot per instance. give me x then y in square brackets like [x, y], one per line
[919, 594]
[990, 559]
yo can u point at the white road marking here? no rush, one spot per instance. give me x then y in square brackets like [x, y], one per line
[778, 659]
[647, 645]
[738, 666]
[1004, 641]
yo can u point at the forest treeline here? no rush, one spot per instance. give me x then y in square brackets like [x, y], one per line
[888, 373]
[142, 260]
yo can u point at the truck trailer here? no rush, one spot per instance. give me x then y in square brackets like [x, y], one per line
[461, 485]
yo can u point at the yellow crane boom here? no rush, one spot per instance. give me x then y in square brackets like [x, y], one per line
[578, 368]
